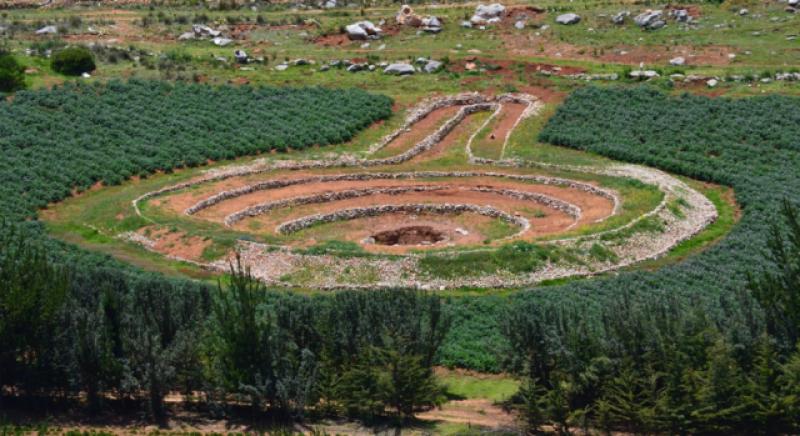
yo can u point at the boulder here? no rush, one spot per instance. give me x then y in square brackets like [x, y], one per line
[519, 25]
[681, 15]
[301, 61]
[793, 3]
[743, 12]
[203, 30]
[643, 74]
[619, 17]
[221, 42]
[712, 83]
[241, 56]
[186, 36]
[354, 68]
[329, 4]
[487, 14]
[399, 69]
[568, 19]
[363, 30]
[648, 18]
[47, 30]
[406, 15]
[281, 67]
[431, 24]
[466, 24]
[432, 66]
[678, 61]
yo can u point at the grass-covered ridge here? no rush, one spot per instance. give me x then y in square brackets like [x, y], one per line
[72, 136]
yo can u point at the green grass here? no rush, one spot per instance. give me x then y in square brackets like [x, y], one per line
[493, 388]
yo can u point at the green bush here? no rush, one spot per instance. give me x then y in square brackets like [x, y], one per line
[12, 74]
[73, 61]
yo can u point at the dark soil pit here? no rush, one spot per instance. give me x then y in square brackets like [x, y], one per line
[412, 235]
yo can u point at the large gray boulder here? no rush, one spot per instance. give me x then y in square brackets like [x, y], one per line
[648, 18]
[47, 30]
[432, 66]
[221, 42]
[619, 18]
[202, 30]
[568, 19]
[487, 14]
[399, 69]
[431, 24]
[681, 15]
[362, 30]
[241, 56]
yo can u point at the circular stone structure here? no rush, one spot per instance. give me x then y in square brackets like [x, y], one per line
[404, 218]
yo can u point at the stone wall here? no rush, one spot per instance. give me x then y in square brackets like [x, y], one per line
[361, 212]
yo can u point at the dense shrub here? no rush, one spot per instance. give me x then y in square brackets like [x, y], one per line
[73, 61]
[12, 74]
[109, 132]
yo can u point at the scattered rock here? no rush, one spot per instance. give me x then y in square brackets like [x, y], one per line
[712, 83]
[650, 19]
[186, 36]
[324, 68]
[487, 14]
[363, 30]
[221, 42]
[568, 19]
[432, 66]
[202, 30]
[743, 12]
[281, 67]
[619, 18]
[241, 56]
[301, 61]
[431, 25]
[86, 75]
[354, 68]
[466, 24]
[519, 25]
[643, 74]
[678, 61]
[47, 30]
[681, 15]
[399, 69]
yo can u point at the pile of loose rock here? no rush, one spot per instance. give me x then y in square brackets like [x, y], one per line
[407, 17]
[362, 31]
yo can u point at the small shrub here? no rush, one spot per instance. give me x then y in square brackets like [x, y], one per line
[73, 61]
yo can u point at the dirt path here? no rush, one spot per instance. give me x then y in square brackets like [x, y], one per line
[418, 131]
[477, 412]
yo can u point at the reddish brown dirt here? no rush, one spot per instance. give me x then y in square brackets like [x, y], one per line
[544, 93]
[175, 244]
[420, 130]
[531, 14]
[510, 69]
[332, 40]
[529, 45]
[508, 116]
[594, 207]
[478, 412]
[456, 138]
